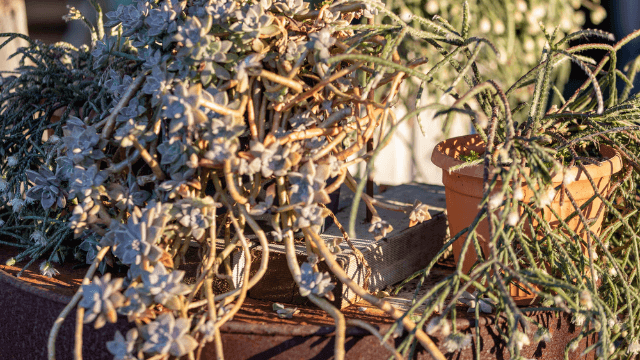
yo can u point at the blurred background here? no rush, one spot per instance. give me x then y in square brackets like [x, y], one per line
[407, 158]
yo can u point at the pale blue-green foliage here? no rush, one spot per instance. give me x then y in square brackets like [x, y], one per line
[130, 16]
[194, 39]
[164, 286]
[312, 282]
[274, 159]
[191, 217]
[47, 188]
[128, 197]
[82, 142]
[137, 302]
[117, 84]
[307, 185]
[123, 348]
[252, 21]
[84, 182]
[321, 41]
[132, 111]
[182, 107]
[310, 215]
[168, 335]
[157, 84]
[100, 299]
[291, 7]
[175, 156]
[83, 215]
[137, 238]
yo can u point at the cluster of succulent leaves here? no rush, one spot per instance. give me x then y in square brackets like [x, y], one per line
[186, 114]
[136, 141]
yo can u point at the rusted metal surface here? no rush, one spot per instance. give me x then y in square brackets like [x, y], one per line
[28, 313]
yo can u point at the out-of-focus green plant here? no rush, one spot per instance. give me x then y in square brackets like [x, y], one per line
[515, 27]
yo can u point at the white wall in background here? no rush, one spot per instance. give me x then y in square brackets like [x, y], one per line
[408, 157]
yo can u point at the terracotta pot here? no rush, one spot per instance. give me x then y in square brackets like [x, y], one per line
[464, 190]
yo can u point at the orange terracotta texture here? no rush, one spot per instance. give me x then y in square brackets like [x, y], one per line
[464, 190]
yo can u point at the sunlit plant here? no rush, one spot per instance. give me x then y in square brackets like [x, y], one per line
[185, 115]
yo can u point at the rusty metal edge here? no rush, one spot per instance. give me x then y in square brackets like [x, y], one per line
[237, 327]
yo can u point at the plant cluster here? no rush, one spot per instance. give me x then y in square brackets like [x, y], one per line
[186, 120]
[183, 119]
[514, 27]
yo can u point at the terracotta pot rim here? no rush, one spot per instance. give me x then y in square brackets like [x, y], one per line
[611, 165]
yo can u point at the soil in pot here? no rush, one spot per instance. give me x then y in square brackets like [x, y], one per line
[464, 190]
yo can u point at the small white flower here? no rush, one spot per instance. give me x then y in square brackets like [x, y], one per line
[634, 347]
[456, 342]
[47, 269]
[585, 299]
[406, 15]
[521, 339]
[4, 185]
[574, 346]
[578, 319]
[438, 323]
[513, 218]
[547, 198]
[529, 45]
[612, 271]
[518, 194]
[600, 353]
[495, 201]
[538, 12]
[12, 161]
[568, 179]
[542, 334]
[598, 15]
[432, 7]
[498, 27]
[485, 25]
[38, 237]
[559, 302]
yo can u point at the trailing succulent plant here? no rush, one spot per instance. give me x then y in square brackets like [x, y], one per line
[186, 117]
[101, 298]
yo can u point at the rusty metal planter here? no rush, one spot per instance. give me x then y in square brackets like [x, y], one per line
[28, 313]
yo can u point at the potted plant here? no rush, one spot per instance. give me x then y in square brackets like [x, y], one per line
[216, 124]
[537, 203]
[206, 124]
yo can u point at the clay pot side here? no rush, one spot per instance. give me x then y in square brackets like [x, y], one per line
[464, 190]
